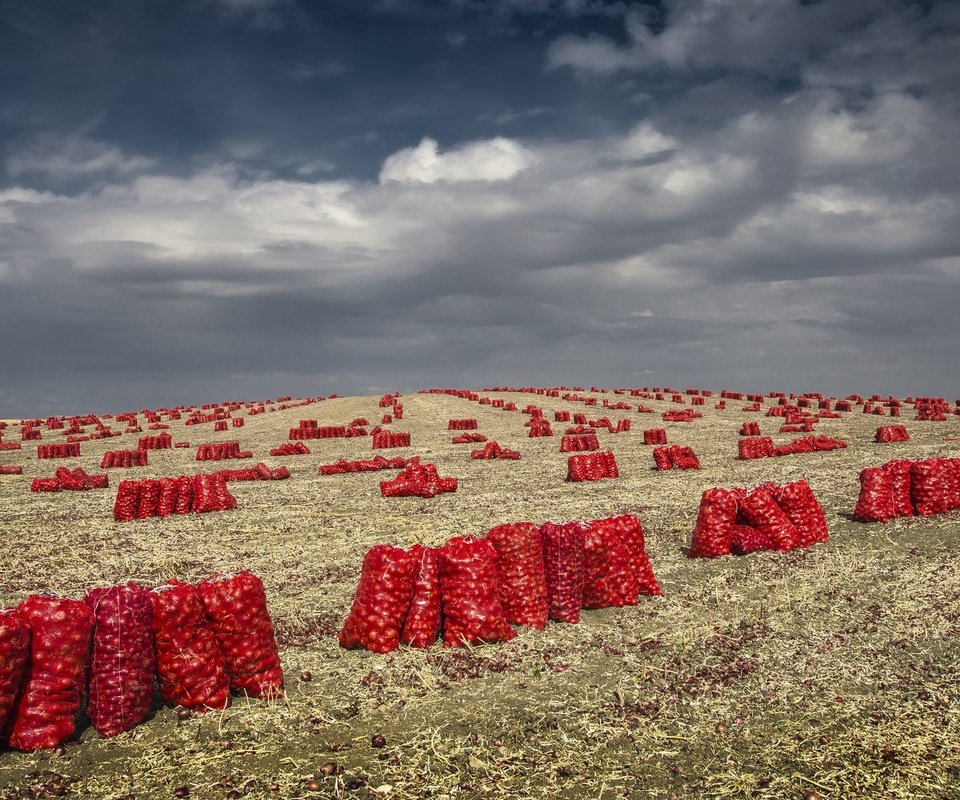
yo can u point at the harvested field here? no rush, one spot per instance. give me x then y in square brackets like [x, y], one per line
[834, 669]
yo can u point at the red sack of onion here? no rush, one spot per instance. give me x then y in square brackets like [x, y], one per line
[44, 714]
[470, 597]
[382, 600]
[715, 521]
[122, 664]
[184, 504]
[563, 554]
[422, 626]
[609, 579]
[236, 606]
[127, 502]
[189, 662]
[520, 576]
[14, 652]
[149, 498]
[802, 507]
[629, 529]
[875, 503]
[760, 510]
[745, 539]
[898, 471]
[927, 486]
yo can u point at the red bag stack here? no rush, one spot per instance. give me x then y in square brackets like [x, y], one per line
[927, 487]
[655, 436]
[805, 512]
[592, 466]
[899, 477]
[122, 663]
[756, 447]
[520, 575]
[189, 662]
[470, 597]
[44, 715]
[382, 600]
[422, 625]
[761, 511]
[236, 606]
[127, 502]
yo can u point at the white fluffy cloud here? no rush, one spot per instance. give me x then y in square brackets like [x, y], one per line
[497, 159]
[65, 157]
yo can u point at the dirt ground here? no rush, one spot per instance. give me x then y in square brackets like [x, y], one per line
[834, 669]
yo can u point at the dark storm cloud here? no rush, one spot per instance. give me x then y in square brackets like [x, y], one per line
[206, 200]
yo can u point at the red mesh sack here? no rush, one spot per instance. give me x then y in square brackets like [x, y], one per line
[520, 576]
[470, 598]
[875, 503]
[184, 495]
[422, 626]
[45, 485]
[802, 507]
[167, 502]
[149, 498]
[629, 529]
[951, 480]
[122, 664]
[899, 478]
[14, 650]
[189, 662]
[45, 712]
[609, 579]
[382, 600]
[661, 456]
[745, 539]
[760, 510]
[715, 521]
[236, 607]
[927, 487]
[563, 554]
[128, 499]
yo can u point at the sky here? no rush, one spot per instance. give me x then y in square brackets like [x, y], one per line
[204, 200]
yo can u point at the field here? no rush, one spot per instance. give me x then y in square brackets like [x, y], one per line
[834, 669]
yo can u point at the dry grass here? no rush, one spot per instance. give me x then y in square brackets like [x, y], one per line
[834, 668]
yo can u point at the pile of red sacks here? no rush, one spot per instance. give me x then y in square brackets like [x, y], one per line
[674, 455]
[769, 517]
[892, 433]
[655, 436]
[366, 465]
[261, 472]
[418, 480]
[579, 442]
[69, 450]
[290, 449]
[750, 429]
[124, 458]
[462, 425]
[472, 590]
[309, 429]
[162, 442]
[592, 467]
[165, 496]
[763, 446]
[221, 451]
[686, 415]
[493, 450]
[468, 438]
[201, 642]
[75, 479]
[539, 427]
[11, 469]
[383, 440]
[907, 487]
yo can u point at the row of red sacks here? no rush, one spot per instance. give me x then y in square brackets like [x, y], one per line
[201, 642]
[366, 465]
[70, 479]
[162, 497]
[471, 590]
[769, 517]
[539, 427]
[418, 480]
[904, 487]
[687, 415]
[579, 442]
[384, 440]
[763, 446]
[655, 436]
[592, 467]
[675, 455]
[291, 449]
[123, 458]
[493, 450]
[163, 441]
[462, 424]
[219, 451]
[11, 469]
[68, 450]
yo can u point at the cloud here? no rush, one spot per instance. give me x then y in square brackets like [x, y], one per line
[497, 159]
[65, 157]
[324, 70]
